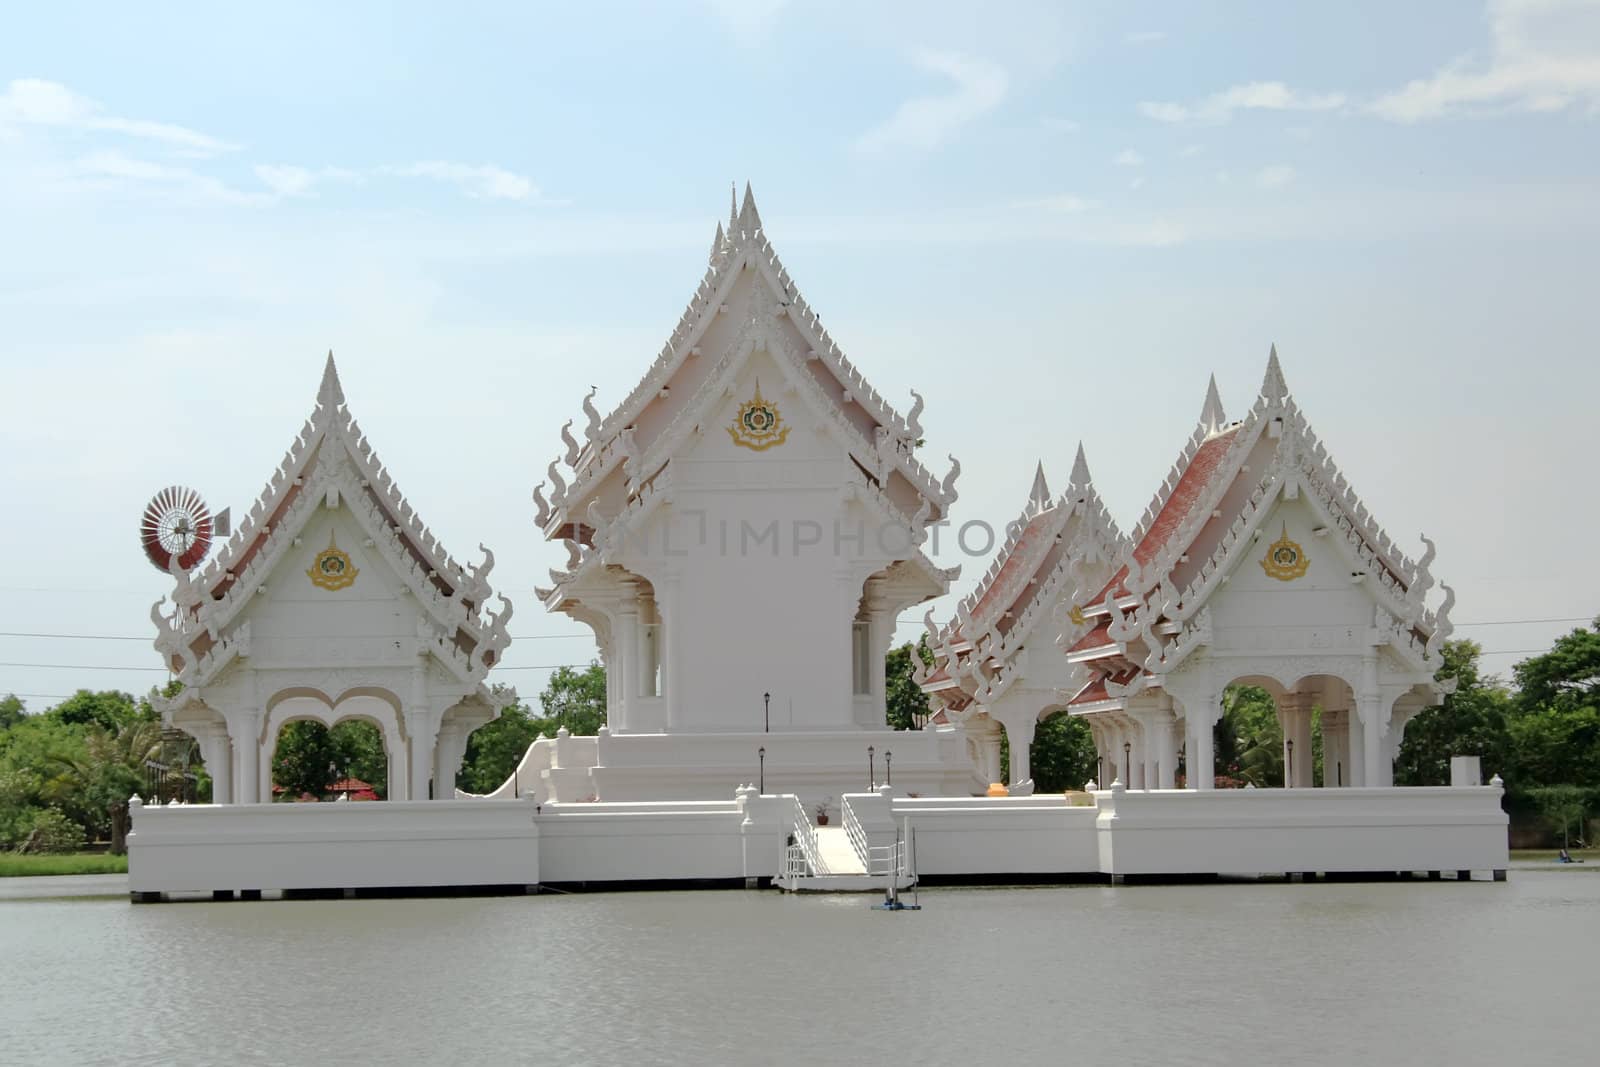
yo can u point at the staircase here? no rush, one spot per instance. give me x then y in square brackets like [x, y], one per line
[829, 859]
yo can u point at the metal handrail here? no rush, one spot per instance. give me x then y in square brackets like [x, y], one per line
[857, 836]
[805, 835]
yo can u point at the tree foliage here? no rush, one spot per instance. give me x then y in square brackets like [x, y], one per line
[1472, 721]
[310, 757]
[906, 704]
[1062, 755]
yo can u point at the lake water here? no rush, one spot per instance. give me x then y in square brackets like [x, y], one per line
[1396, 973]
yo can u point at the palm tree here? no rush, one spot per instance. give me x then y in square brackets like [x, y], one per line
[110, 771]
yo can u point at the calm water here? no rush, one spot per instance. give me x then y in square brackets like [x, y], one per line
[1306, 974]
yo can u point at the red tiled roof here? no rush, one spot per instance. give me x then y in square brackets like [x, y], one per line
[1032, 535]
[1095, 638]
[1095, 691]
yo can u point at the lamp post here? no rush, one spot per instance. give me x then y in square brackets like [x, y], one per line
[1100, 771]
[1127, 762]
[766, 713]
[1288, 766]
[871, 774]
[761, 754]
[888, 767]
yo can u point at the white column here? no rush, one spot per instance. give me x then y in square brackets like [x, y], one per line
[667, 646]
[1202, 750]
[245, 726]
[1335, 741]
[1019, 732]
[1354, 747]
[1373, 710]
[422, 724]
[627, 665]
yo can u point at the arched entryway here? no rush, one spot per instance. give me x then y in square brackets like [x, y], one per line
[312, 744]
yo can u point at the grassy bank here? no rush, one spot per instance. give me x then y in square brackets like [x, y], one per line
[15, 865]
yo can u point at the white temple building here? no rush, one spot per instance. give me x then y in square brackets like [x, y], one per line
[332, 601]
[1256, 564]
[998, 663]
[743, 531]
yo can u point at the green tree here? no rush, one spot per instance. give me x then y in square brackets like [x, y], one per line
[1472, 721]
[1249, 738]
[12, 711]
[108, 772]
[906, 703]
[108, 709]
[1563, 806]
[1566, 676]
[495, 749]
[1555, 720]
[1062, 755]
[575, 699]
[305, 760]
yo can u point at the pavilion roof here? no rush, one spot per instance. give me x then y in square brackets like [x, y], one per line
[331, 460]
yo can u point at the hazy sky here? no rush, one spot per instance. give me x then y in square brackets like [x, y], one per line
[1054, 220]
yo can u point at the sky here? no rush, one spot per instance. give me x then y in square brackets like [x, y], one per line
[1054, 220]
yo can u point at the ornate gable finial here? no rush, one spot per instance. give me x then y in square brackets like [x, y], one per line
[592, 430]
[749, 217]
[733, 208]
[1212, 417]
[330, 394]
[1273, 388]
[716, 243]
[1080, 473]
[1039, 495]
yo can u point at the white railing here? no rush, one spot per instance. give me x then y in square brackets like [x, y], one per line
[805, 836]
[794, 864]
[857, 836]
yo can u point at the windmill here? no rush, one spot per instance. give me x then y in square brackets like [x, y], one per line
[177, 524]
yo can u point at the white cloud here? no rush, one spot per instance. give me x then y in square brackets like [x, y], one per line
[1274, 177]
[298, 181]
[115, 168]
[35, 102]
[1136, 183]
[1544, 56]
[1138, 37]
[1128, 158]
[1254, 96]
[484, 181]
[1059, 125]
[924, 122]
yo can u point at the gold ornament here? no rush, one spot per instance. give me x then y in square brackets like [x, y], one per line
[758, 426]
[1077, 616]
[332, 569]
[1285, 560]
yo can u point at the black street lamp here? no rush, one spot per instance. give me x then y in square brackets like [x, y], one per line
[1288, 767]
[1100, 771]
[871, 774]
[761, 754]
[1127, 762]
[766, 713]
[888, 768]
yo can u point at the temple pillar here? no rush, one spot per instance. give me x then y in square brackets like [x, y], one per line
[1202, 745]
[1335, 748]
[1019, 727]
[244, 726]
[1354, 746]
[667, 648]
[627, 666]
[1295, 719]
[217, 751]
[451, 746]
[1373, 710]
[422, 724]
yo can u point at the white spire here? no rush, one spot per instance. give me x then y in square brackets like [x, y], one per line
[330, 393]
[1273, 388]
[733, 207]
[716, 243]
[749, 217]
[1212, 416]
[1039, 496]
[1080, 471]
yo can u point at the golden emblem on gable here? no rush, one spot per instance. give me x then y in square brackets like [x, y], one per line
[1077, 616]
[758, 426]
[332, 569]
[1285, 560]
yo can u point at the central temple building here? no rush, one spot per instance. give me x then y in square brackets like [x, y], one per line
[743, 532]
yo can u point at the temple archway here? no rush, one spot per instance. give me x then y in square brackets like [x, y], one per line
[329, 742]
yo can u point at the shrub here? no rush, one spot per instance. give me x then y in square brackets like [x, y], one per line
[51, 832]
